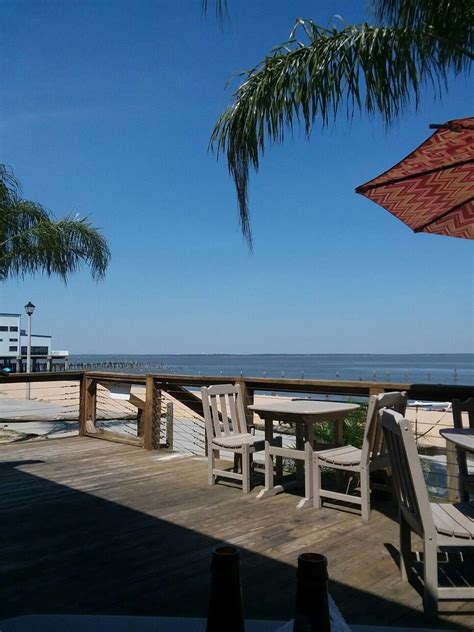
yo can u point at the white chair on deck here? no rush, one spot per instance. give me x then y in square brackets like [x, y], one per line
[438, 524]
[226, 429]
[466, 480]
[370, 458]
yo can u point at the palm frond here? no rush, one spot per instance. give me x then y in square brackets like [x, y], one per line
[9, 185]
[358, 68]
[31, 241]
[220, 7]
[450, 22]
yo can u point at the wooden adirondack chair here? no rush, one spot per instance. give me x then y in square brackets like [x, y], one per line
[438, 524]
[466, 481]
[226, 429]
[370, 458]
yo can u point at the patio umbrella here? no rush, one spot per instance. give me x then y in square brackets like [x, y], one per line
[432, 189]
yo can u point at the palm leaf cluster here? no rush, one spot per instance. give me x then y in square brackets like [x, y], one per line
[318, 71]
[32, 241]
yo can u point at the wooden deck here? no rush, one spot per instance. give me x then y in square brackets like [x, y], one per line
[95, 527]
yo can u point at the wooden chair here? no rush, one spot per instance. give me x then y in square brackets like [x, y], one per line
[466, 481]
[370, 458]
[226, 429]
[439, 525]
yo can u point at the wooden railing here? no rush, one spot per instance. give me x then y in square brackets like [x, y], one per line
[42, 376]
[154, 426]
[150, 408]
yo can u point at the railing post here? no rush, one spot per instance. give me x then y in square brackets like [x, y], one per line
[376, 390]
[453, 474]
[87, 405]
[169, 424]
[248, 398]
[156, 415]
[82, 405]
[152, 416]
[92, 412]
[148, 415]
[139, 422]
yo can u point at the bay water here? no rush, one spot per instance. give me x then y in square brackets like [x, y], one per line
[413, 368]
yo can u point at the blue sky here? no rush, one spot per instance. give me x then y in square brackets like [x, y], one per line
[107, 110]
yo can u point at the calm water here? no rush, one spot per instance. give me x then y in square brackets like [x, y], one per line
[416, 368]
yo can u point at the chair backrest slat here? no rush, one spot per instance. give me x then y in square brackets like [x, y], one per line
[407, 474]
[241, 419]
[216, 421]
[225, 418]
[459, 408]
[234, 415]
[373, 445]
[223, 410]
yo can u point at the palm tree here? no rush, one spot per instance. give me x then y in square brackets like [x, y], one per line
[31, 241]
[319, 72]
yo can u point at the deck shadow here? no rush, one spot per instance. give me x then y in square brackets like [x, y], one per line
[64, 550]
[456, 567]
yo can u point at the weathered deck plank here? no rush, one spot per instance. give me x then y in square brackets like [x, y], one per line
[95, 527]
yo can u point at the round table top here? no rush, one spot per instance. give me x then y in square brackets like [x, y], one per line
[304, 407]
[462, 437]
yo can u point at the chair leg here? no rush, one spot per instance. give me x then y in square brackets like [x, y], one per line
[393, 491]
[278, 441]
[365, 493]
[405, 548]
[316, 485]
[245, 469]
[430, 572]
[463, 475]
[211, 457]
[237, 461]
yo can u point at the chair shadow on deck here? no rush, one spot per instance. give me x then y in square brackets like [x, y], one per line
[69, 551]
[454, 567]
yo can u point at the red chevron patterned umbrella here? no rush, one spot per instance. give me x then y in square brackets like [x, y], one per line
[432, 189]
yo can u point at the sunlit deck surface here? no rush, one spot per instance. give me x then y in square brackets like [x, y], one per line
[90, 526]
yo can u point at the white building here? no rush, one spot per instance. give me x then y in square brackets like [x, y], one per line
[14, 345]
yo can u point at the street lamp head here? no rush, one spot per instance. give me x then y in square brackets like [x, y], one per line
[30, 308]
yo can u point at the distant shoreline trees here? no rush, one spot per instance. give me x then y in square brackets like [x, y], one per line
[376, 69]
[32, 241]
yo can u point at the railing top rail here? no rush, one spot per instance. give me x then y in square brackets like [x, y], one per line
[112, 376]
[42, 376]
[435, 392]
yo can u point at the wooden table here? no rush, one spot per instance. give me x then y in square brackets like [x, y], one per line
[462, 439]
[304, 413]
[105, 623]
[110, 623]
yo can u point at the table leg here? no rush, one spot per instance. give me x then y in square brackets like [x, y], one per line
[307, 501]
[453, 473]
[341, 475]
[270, 489]
[300, 445]
[339, 431]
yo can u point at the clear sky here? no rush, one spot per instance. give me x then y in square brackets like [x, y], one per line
[106, 109]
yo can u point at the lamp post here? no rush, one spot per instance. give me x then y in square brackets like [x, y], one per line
[29, 309]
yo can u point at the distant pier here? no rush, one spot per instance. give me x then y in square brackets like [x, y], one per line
[119, 364]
